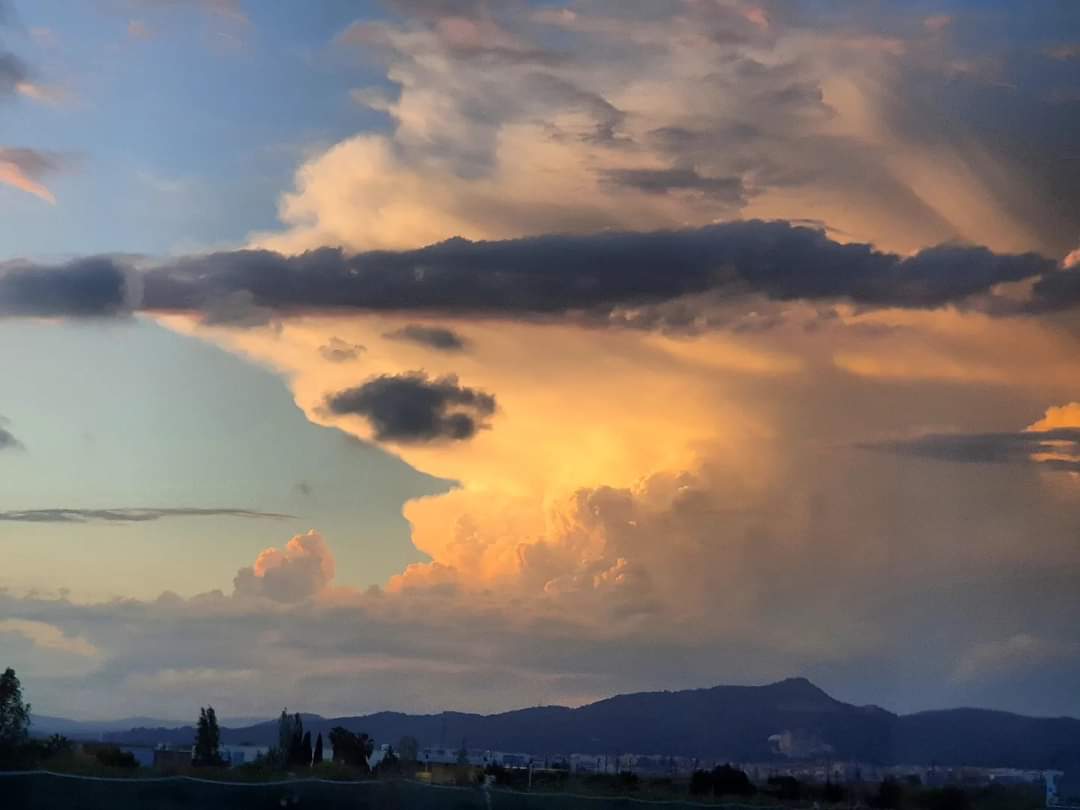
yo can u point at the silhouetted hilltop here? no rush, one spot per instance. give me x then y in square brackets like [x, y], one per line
[984, 736]
[790, 719]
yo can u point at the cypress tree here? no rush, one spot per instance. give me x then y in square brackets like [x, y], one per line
[207, 739]
[305, 749]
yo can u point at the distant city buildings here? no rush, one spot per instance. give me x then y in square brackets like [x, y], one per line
[442, 764]
[438, 755]
[1063, 790]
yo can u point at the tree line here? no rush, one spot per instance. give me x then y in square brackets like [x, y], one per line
[295, 749]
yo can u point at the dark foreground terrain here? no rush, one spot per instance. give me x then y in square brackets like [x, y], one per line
[52, 791]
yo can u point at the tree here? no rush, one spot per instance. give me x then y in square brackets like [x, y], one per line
[890, 794]
[317, 756]
[112, 756]
[463, 754]
[285, 733]
[296, 744]
[833, 792]
[291, 752]
[729, 781]
[408, 749]
[351, 749]
[207, 740]
[305, 749]
[56, 746]
[701, 783]
[389, 765]
[14, 714]
[786, 787]
[950, 797]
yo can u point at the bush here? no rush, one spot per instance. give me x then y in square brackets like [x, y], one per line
[833, 793]
[890, 795]
[729, 781]
[701, 783]
[110, 756]
[785, 787]
[946, 798]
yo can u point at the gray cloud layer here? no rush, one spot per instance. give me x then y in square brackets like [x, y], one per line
[435, 337]
[32, 162]
[994, 448]
[337, 350]
[413, 408]
[91, 287]
[60, 515]
[544, 275]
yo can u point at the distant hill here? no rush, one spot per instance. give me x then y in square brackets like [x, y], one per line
[985, 737]
[791, 719]
[43, 725]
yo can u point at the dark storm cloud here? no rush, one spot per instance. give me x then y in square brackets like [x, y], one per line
[435, 337]
[60, 515]
[994, 448]
[8, 441]
[413, 408]
[543, 275]
[1055, 292]
[560, 273]
[662, 181]
[88, 287]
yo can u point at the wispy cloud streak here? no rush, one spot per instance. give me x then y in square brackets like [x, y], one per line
[144, 515]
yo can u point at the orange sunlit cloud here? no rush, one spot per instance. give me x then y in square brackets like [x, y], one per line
[11, 174]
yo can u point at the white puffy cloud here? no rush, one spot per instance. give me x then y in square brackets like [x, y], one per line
[302, 569]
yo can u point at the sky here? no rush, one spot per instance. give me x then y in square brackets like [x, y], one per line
[478, 354]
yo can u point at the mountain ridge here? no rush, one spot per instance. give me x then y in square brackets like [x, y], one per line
[787, 720]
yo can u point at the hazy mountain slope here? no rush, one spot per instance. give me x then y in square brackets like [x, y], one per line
[722, 723]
